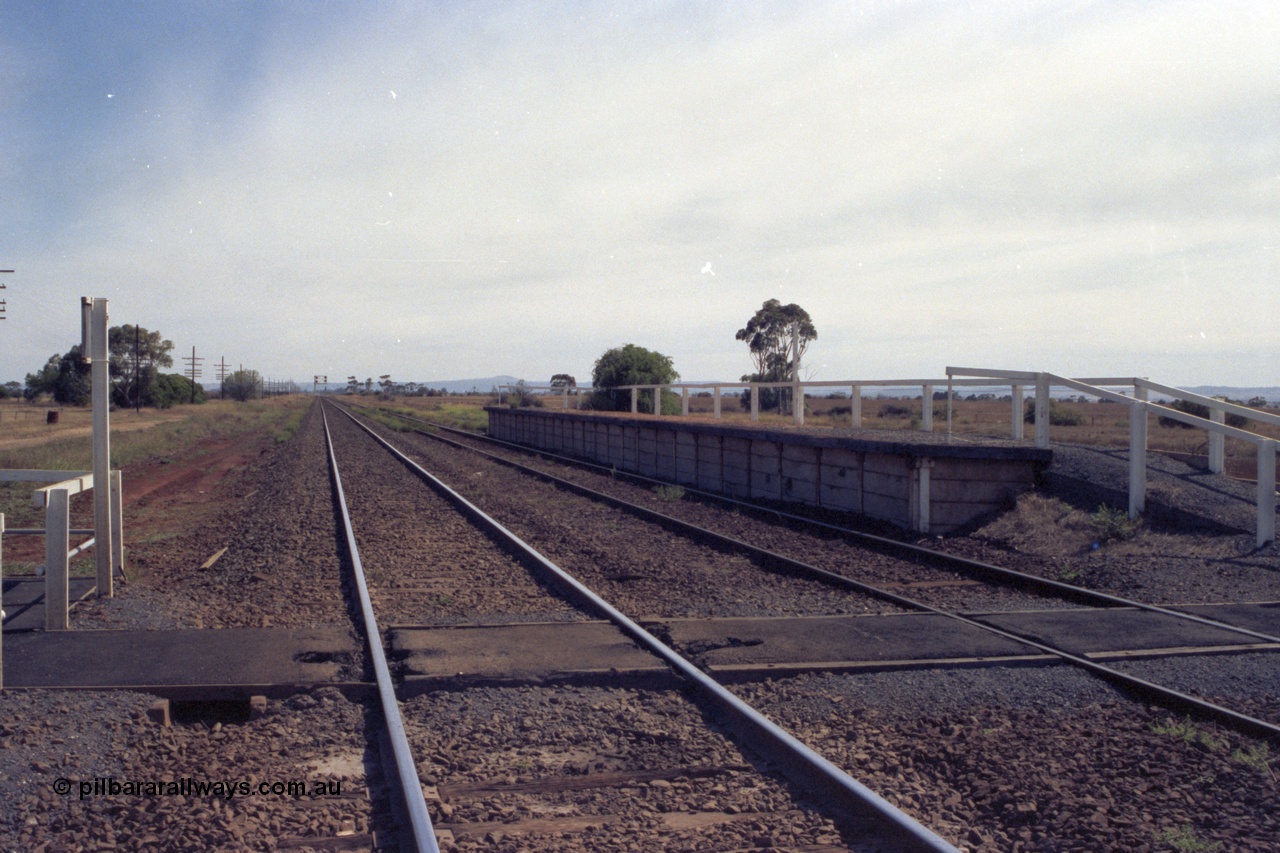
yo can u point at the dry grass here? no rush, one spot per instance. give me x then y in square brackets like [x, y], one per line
[24, 425]
[69, 447]
[1042, 526]
[1050, 529]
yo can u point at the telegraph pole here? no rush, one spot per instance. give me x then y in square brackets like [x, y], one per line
[2, 302]
[193, 368]
[222, 377]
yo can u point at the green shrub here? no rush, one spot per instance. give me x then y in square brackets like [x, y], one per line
[1059, 414]
[1112, 525]
[1201, 411]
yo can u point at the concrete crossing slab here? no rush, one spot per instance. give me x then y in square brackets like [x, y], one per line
[24, 600]
[231, 657]
[518, 651]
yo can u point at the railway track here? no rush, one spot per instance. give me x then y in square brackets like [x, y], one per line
[535, 724]
[472, 475]
[655, 742]
[933, 575]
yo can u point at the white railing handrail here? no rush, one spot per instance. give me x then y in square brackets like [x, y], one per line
[1211, 402]
[1139, 409]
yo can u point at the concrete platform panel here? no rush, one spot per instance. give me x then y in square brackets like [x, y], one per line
[873, 472]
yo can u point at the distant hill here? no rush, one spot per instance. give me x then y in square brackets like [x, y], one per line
[1267, 392]
[462, 386]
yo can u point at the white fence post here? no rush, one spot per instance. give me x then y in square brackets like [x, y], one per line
[117, 523]
[855, 406]
[57, 519]
[635, 397]
[97, 352]
[926, 408]
[755, 403]
[1042, 410]
[1137, 458]
[1217, 443]
[1266, 492]
[715, 393]
[684, 401]
[1019, 430]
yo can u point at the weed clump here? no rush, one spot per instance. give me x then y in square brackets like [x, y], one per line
[670, 494]
[1113, 525]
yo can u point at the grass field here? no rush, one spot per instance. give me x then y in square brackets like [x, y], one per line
[30, 443]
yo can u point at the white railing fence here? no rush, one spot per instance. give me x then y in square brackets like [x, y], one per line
[55, 499]
[1140, 408]
[1041, 383]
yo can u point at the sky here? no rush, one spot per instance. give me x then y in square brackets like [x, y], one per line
[448, 190]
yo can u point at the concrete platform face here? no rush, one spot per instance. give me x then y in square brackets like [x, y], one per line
[135, 659]
[910, 478]
[24, 600]
[526, 651]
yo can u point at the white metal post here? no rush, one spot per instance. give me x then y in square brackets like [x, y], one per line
[1042, 410]
[1266, 492]
[1019, 428]
[117, 524]
[755, 403]
[855, 406]
[1217, 443]
[57, 519]
[1137, 458]
[101, 446]
[950, 389]
[797, 393]
[926, 408]
[684, 401]
[635, 398]
[715, 393]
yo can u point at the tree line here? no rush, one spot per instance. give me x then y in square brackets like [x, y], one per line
[135, 359]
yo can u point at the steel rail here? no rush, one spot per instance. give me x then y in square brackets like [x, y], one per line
[801, 764]
[963, 565]
[1170, 698]
[406, 786]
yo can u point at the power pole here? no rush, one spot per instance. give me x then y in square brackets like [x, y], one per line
[137, 369]
[222, 377]
[194, 369]
[2, 302]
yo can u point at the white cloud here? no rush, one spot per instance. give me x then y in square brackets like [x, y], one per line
[1025, 186]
